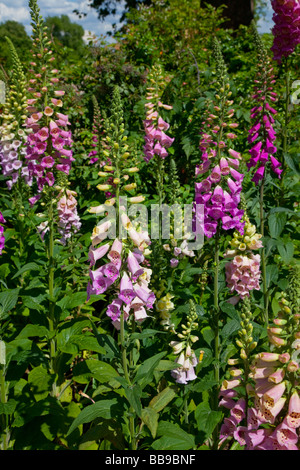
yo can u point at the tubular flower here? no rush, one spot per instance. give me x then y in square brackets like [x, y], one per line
[243, 271]
[98, 139]
[69, 221]
[156, 139]
[49, 143]
[118, 263]
[262, 134]
[286, 31]
[2, 238]
[221, 183]
[12, 135]
[273, 420]
[186, 358]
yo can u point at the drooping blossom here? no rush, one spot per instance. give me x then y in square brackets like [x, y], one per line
[156, 140]
[183, 349]
[2, 237]
[49, 142]
[220, 186]
[273, 412]
[262, 135]
[286, 29]
[243, 270]
[68, 218]
[12, 135]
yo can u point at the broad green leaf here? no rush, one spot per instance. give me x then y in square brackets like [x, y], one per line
[40, 382]
[206, 418]
[8, 300]
[8, 408]
[150, 418]
[160, 401]
[173, 438]
[84, 371]
[106, 409]
[276, 223]
[73, 300]
[107, 429]
[133, 394]
[286, 251]
[145, 371]
[27, 267]
[30, 331]
[82, 342]
[271, 274]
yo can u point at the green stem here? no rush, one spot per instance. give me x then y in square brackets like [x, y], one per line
[263, 255]
[126, 375]
[216, 331]
[51, 316]
[286, 117]
[4, 417]
[216, 305]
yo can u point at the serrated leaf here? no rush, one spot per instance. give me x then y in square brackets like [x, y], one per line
[8, 300]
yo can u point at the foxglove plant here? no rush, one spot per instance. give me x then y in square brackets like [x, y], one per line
[122, 272]
[262, 134]
[2, 237]
[273, 418]
[185, 356]
[98, 140]
[219, 190]
[49, 142]
[12, 134]
[49, 156]
[243, 271]
[118, 266]
[221, 183]
[286, 30]
[156, 140]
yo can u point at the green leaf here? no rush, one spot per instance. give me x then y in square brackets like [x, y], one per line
[150, 418]
[40, 382]
[27, 267]
[30, 331]
[286, 251]
[271, 274]
[173, 438]
[160, 401]
[8, 408]
[106, 409]
[133, 394]
[206, 418]
[72, 300]
[8, 300]
[84, 371]
[291, 164]
[276, 223]
[145, 371]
